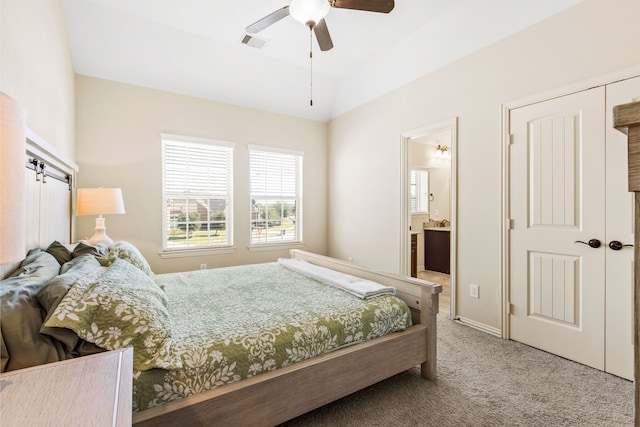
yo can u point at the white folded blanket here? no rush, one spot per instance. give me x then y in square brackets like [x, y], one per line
[361, 288]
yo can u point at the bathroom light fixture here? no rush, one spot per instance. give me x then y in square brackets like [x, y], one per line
[443, 151]
[99, 201]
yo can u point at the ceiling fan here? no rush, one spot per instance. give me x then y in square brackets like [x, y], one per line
[312, 12]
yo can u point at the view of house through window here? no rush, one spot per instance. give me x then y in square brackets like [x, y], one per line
[276, 195]
[197, 193]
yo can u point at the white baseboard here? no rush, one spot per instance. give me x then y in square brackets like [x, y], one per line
[480, 326]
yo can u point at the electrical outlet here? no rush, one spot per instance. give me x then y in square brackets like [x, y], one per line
[474, 291]
[203, 266]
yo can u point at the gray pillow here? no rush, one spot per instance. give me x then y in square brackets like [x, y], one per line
[50, 295]
[84, 247]
[59, 252]
[38, 264]
[22, 315]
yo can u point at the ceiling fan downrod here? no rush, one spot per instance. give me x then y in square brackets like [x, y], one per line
[311, 25]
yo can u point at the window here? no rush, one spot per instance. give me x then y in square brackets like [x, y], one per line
[197, 193]
[276, 195]
[419, 191]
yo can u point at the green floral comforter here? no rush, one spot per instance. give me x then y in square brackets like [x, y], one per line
[237, 322]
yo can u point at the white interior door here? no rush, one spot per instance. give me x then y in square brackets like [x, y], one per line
[620, 228]
[557, 198]
[569, 183]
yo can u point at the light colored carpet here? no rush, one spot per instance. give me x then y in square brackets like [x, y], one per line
[486, 381]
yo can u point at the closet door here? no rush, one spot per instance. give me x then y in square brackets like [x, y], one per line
[570, 296]
[619, 228]
[557, 200]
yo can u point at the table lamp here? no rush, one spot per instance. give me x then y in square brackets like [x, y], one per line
[99, 201]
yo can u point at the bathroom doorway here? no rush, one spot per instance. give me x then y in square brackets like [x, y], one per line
[429, 207]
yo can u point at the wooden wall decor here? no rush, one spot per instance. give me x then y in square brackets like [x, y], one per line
[626, 118]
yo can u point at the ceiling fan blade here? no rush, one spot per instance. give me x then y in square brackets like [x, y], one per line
[383, 6]
[270, 19]
[323, 36]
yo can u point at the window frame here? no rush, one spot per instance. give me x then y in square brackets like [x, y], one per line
[298, 198]
[226, 247]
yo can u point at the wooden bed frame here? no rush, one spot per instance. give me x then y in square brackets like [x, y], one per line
[626, 118]
[285, 393]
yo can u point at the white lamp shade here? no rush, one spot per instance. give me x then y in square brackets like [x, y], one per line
[99, 201]
[13, 178]
[306, 11]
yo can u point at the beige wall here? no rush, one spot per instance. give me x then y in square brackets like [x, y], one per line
[440, 185]
[588, 40]
[118, 130]
[36, 71]
[36, 68]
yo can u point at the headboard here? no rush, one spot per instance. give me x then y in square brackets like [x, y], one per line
[50, 179]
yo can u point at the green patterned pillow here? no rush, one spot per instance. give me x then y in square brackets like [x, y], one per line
[120, 306]
[131, 254]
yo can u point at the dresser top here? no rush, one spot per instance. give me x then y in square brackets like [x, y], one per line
[86, 391]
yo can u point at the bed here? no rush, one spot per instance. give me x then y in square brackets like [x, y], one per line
[271, 396]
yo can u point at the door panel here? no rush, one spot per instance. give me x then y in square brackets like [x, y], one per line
[620, 227]
[553, 170]
[557, 198]
[554, 288]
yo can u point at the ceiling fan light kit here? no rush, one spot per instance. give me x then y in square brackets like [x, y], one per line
[314, 11]
[309, 12]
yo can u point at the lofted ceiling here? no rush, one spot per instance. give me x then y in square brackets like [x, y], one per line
[193, 47]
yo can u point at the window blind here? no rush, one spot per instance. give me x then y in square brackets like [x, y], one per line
[419, 191]
[276, 196]
[197, 194]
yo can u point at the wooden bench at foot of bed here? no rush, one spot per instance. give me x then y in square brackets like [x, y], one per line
[283, 394]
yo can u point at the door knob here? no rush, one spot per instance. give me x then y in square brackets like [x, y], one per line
[594, 243]
[617, 245]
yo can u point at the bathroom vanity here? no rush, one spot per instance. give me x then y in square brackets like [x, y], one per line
[437, 247]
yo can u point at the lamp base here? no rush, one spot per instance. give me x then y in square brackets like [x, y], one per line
[100, 235]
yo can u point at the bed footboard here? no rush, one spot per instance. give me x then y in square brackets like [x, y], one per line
[283, 394]
[421, 296]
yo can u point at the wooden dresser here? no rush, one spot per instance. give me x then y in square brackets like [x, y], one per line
[88, 391]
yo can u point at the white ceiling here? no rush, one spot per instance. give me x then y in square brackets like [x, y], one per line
[193, 47]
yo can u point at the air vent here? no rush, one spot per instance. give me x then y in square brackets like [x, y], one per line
[253, 41]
